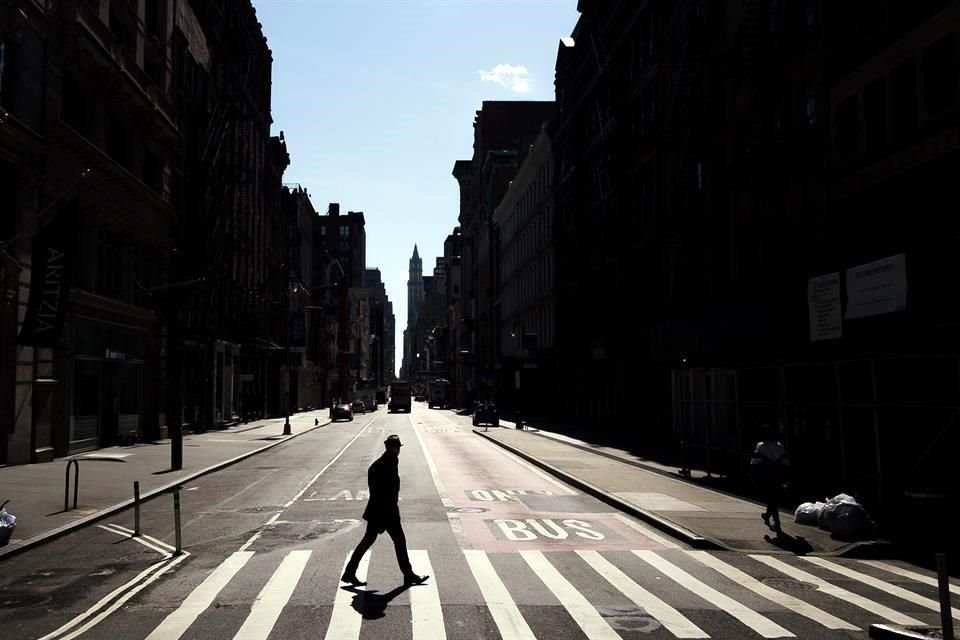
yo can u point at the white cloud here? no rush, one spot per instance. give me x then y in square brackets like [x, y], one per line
[514, 78]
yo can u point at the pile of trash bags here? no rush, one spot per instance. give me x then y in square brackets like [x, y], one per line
[8, 522]
[841, 515]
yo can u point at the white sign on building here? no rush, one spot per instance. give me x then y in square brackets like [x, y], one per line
[876, 288]
[823, 302]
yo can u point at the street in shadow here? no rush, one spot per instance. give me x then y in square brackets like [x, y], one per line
[372, 605]
[796, 545]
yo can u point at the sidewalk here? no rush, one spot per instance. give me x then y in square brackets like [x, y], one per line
[106, 476]
[699, 515]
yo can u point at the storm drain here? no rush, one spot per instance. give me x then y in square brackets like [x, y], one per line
[786, 584]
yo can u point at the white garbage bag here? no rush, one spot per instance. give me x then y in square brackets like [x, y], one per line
[846, 518]
[8, 522]
[808, 513]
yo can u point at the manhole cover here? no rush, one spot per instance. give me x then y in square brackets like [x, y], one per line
[265, 509]
[468, 510]
[16, 600]
[788, 584]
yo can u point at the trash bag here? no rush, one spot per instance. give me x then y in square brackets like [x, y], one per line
[8, 522]
[808, 513]
[846, 518]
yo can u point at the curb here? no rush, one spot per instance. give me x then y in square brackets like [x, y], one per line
[693, 539]
[63, 530]
[892, 632]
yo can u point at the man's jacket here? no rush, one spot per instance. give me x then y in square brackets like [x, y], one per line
[383, 480]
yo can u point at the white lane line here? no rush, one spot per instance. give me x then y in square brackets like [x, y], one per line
[906, 573]
[344, 621]
[669, 617]
[159, 543]
[105, 600]
[506, 614]
[647, 531]
[784, 600]
[177, 623]
[124, 534]
[164, 566]
[274, 597]
[830, 589]
[579, 608]
[437, 481]
[761, 624]
[876, 583]
[567, 491]
[425, 609]
[253, 538]
[328, 465]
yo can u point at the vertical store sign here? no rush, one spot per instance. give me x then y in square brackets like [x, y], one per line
[50, 279]
[823, 302]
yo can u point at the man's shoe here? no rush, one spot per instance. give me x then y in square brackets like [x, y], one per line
[412, 578]
[351, 578]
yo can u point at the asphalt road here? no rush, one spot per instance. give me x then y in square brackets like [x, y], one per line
[512, 553]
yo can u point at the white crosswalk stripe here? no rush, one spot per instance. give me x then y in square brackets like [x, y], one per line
[876, 583]
[666, 615]
[506, 615]
[906, 573]
[579, 608]
[425, 609]
[499, 593]
[177, 623]
[762, 625]
[274, 596]
[825, 587]
[345, 622]
[784, 600]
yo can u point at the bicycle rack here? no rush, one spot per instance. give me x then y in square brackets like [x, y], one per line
[76, 484]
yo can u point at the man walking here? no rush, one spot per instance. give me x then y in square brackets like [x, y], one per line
[770, 466]
[383, 514]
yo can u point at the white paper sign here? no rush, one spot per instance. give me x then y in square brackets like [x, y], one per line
[823, 301]
[876, 288]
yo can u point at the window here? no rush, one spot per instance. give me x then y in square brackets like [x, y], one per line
[810, 109]
[904, 99]
[940, 62]
[875, 115]
[344, 246]
[344, 231]
[323, 231]
[847, 133]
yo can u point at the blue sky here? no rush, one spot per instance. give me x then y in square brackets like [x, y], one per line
[376, 100]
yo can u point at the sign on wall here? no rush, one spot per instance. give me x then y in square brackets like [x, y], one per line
[877, 287]
[823, 302]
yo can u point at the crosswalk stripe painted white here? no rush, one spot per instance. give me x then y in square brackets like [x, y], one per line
[177, 623]
[506, 615]
[425, 609]
[344, 621]
[830, 589]
[906, 573]
[273, 597]
[784, 600]
[762, 625]
[579, 608]
[633, 524]
[876, 583]
[669, 617]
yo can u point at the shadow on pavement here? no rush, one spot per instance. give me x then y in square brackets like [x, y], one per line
[372, 605]
[796, 545]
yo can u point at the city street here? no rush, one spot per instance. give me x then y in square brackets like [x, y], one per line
[511, 553]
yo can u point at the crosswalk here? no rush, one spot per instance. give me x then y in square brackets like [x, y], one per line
[680, 593]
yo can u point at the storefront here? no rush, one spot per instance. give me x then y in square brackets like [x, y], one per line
[106, 384]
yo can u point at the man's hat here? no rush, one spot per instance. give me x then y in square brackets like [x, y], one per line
[393, 440]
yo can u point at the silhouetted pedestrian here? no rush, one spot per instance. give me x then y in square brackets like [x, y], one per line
[383, 514]
[769, 468]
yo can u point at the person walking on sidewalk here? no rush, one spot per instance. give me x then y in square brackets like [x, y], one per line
[383, 514]
[769, 466]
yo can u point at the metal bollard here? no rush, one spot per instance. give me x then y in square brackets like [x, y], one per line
[943, 580]
[136, 507]
[176, 520]
[76, 484]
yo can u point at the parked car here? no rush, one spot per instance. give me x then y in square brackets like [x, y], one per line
[342, 411]
[486, 413]
[359, 407]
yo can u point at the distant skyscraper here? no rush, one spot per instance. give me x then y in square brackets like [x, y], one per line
[415, 296]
